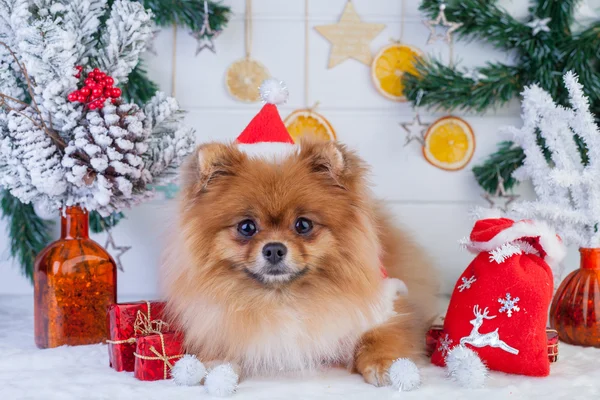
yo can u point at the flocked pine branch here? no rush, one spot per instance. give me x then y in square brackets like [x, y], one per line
[568, 192]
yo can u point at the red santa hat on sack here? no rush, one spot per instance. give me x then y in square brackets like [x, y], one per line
[266, 136]
[503, 237]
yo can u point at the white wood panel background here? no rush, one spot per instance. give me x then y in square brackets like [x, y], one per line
[431, 203]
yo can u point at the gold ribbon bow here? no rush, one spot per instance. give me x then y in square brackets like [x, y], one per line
[163, 357]
[144, 325]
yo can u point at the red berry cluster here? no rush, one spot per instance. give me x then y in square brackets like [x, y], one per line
[96, 89]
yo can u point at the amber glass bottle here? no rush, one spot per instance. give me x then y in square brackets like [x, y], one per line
[75, 280]
[575, 310]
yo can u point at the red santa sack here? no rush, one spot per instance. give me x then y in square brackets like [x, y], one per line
[499, 306]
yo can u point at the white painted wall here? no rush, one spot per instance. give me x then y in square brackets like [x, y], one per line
[431, 203]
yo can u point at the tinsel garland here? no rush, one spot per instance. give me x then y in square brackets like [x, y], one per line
[28, 233]
[541, 58]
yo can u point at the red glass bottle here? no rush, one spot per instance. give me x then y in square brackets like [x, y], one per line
[75, 280]
[575, 310]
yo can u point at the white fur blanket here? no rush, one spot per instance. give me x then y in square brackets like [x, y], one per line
[82, 372]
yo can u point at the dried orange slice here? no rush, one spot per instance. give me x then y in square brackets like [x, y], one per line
[308, 123]
[449, 143]
[243, 79]
[388, 67]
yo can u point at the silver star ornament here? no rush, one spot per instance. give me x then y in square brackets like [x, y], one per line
[415, 130]
[118, 250]
[500, 197]
[441, 22]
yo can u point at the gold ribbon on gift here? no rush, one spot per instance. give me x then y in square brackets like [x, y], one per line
[167, 365]
[144, 325]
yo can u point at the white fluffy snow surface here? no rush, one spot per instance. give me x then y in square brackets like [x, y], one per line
[82, 373]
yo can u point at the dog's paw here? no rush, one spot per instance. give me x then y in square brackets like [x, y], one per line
[377, 372]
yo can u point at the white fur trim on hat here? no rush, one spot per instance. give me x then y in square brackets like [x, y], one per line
[553, 247]
[268, 150]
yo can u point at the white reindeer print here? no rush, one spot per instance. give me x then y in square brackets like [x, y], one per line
[491, 339]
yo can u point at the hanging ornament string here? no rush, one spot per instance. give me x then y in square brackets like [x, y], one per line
[174, 61]
[306, 53]
[392, 61]
[244, 76]
[248, 28]
[402, 19]
[306, 121]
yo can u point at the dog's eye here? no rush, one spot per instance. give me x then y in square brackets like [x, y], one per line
[247, 228]
[303, 225]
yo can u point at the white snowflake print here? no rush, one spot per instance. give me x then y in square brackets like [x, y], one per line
[466, 283]
[509, 305]
[445, 344]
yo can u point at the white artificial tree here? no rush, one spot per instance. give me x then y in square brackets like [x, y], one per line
[61, 153]
[568, 192]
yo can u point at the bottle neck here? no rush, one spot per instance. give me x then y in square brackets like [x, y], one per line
[74, 223]
[590, 258]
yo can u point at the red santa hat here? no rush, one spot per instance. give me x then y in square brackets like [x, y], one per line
[504, 237]
[266, 136]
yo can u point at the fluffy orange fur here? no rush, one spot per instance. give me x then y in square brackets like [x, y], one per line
[329, 311]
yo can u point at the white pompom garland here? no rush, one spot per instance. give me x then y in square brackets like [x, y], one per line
[274, 91]
[188, 371]
[405, 375]
[466, 368]
[221, 381]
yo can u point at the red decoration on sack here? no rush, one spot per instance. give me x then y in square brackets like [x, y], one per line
[500, 303]
[98, 87]
[127, 322]
[155, 355]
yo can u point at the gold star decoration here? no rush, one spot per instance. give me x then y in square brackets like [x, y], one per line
[441, 22]
[350, 37]
[500, 196]
[119, 250]
[415, 130]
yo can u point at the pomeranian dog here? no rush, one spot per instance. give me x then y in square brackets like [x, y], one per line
[278, 266]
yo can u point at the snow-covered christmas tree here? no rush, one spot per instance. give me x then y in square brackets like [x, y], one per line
[66, 137]
[567, 189]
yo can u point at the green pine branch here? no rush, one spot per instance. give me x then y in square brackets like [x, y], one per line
[99, 223]
[188, 13]
[502, 163]
[139, 89]
[28, 234]
[444, 87]
[481, 19]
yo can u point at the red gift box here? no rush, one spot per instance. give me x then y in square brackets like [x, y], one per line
[127, 322]
[156, 354]
[434, 333]
[431, 340]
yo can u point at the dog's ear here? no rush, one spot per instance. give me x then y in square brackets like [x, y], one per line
[333, 159]
[209, 162]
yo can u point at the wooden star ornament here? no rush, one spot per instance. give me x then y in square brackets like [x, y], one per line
[350, 37]
[441, 22]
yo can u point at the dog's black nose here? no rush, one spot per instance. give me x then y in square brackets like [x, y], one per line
[274, 252]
